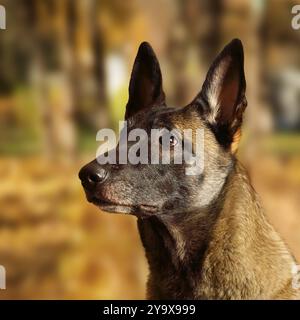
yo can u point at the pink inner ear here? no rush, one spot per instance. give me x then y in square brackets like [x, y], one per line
[228, 95]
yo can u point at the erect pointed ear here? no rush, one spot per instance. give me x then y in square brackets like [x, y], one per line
[222, 99]
[145, 88]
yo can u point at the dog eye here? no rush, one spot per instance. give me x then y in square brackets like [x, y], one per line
[173, 141]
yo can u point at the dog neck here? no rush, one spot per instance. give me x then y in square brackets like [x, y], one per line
[203, 254]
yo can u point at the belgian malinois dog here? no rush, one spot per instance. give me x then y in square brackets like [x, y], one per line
[205, 236]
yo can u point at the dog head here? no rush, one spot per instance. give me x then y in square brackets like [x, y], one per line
[156, 189]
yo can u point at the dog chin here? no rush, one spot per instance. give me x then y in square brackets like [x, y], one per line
[137, 210]
[114, 208]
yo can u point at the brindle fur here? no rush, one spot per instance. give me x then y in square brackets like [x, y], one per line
[205, 237]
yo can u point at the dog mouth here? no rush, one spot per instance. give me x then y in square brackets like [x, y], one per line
[114, 207]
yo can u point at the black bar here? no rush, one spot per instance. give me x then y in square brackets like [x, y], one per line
[104, 309]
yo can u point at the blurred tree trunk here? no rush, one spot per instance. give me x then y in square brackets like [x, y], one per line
[88, 71]
[65, 68]
[197, 31]
[51, 77]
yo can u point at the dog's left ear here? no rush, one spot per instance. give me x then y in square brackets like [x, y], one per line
[145, 88]
[222, 99]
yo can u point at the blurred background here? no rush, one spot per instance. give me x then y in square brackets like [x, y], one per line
[64, 73]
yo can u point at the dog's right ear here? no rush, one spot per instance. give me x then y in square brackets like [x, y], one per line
[145, 88]
[222, 99]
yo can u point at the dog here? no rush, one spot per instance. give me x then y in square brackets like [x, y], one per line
[205, 236]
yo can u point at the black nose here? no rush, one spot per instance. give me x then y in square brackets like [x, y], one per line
[92, 174]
